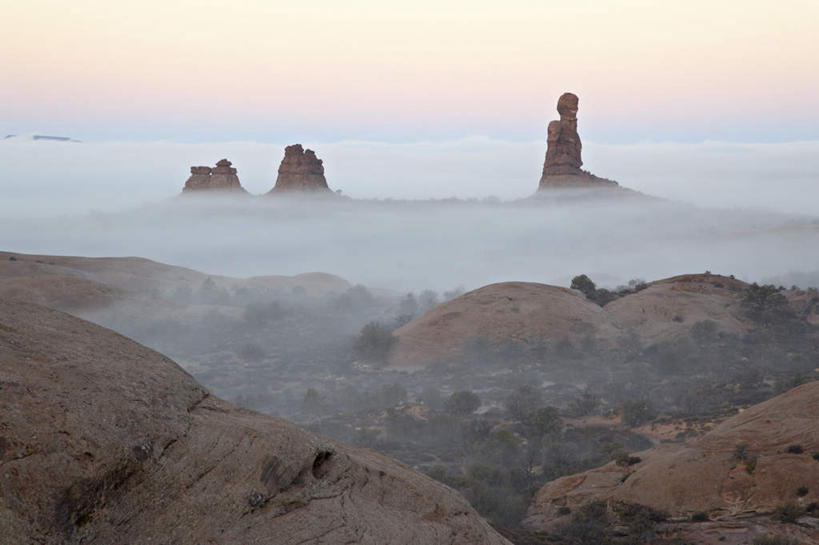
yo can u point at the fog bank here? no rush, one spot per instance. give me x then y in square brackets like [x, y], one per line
[46, 178]
[414, 245]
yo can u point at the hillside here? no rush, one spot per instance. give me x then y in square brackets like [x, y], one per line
[746, 468]
[528, 313]
[105, 441]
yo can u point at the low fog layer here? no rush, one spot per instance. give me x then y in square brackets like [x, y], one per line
[436, 244]
[43, 178]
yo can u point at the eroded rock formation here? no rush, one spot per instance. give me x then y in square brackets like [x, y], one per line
[564, 147]
[564, 150]
[300, 171]
[221, 178]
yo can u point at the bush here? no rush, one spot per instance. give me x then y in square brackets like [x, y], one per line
[524, 402]
[699, 517]
[545, 421]
[636, 413]
[802, 491]
[789, 512]
[765, 305]
[795, 449]
[462, 403]
[374, 343]
[584, 404]
[626, 460]
[816, 456]
[585, 285]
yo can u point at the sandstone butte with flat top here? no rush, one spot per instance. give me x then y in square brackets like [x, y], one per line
[222, 177]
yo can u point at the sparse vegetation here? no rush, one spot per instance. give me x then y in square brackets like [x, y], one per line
[636, 413]
[462, 403]
[374, 343]
[789, 512]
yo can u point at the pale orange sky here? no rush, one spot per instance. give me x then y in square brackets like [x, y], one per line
[368, 69]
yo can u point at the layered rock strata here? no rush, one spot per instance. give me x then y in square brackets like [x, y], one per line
[222, 177]
[564, 150]
[300, 171]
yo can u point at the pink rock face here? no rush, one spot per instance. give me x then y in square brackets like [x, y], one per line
[564, 146]
[563, 153]
[221, 178]
[300, 171]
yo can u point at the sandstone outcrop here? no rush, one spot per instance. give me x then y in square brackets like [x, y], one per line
[300, 171]
[498, 312]
[525, 312]
[564, 149]
[222, 177]
[708, 475]
[105, 441]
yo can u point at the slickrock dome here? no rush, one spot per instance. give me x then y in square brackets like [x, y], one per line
[105, 441]
[300, 171]
[220, 178]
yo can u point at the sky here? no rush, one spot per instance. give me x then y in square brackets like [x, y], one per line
[324, 70]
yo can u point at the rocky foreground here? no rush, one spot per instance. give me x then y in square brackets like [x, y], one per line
[755, 474]
[105, 441]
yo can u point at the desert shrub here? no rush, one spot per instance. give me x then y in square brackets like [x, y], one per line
[355, 299]
[802, 491]
[699, 517]
[462, 403]
[584, 404]
[740, 451]
[546, 420]
[311, 402]
[585, 285]
[816, 456]
[636, 413]
[374, 343]
[263, 314]
[788, 512]
[562, 511]
[408, 305]
[623, 459]
[765, 304]
[795, 449]
[523, 402]
[704, 331]
[587, 525]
